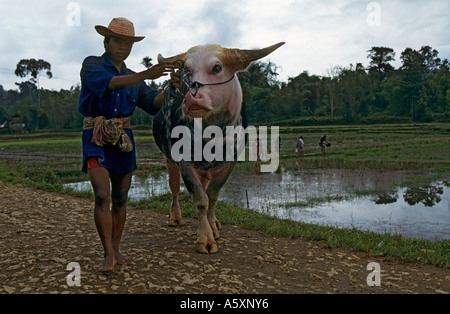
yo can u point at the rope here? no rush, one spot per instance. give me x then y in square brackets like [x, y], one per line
[197, 84]
[188, 85]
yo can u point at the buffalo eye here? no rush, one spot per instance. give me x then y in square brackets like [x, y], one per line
[217, 69]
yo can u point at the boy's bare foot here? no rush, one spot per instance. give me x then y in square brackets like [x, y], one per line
[123, 260]
[108, 264]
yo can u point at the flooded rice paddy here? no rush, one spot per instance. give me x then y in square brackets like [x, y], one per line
[366, 200]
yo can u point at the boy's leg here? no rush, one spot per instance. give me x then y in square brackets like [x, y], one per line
[120, 185]
[102, 215]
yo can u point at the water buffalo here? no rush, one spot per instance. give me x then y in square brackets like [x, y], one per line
[210, 96]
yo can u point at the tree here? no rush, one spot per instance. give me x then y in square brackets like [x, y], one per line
[439, 82]
[331, 82]
[414, 74]
[27, 87]
[27, 111]
[32, 68]
[380, 58]
[413, 61]
[353, 90]
[423, 62]
[3, 118]
[61, 109]
[259, 74]
[430, 59]
[422, 112]
[379, 70]
[147, 62]
[297, 94]
[259, 88]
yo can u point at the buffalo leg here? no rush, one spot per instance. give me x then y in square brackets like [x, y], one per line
[195, 185]
[213, 191]
[175, 218]
[206, 242]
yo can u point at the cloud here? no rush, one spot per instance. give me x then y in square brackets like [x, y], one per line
[220, 23]
[317, 33]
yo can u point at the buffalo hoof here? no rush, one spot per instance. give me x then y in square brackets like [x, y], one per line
[206, 243]
[179, 222]
[207, 248]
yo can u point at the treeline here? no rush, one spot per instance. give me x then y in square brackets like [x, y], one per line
[419, 90]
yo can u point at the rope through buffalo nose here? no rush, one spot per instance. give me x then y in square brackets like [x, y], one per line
[179, 64]
[197, 85]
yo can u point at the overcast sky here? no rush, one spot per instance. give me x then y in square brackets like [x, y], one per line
[318, 34]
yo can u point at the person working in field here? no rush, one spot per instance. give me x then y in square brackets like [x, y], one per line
[324, 143]
[299, 146]
[109, 95]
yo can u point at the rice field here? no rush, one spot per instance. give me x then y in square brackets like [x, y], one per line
[400, 155]
[421, 149]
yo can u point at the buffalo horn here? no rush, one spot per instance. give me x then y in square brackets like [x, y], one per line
[240, 56]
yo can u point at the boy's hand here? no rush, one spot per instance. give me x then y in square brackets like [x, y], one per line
[175, 78]
[158, 70]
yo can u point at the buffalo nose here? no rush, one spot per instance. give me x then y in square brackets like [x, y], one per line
[190, 99]
[195, 87]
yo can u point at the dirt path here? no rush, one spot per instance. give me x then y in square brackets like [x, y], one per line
[42, 232]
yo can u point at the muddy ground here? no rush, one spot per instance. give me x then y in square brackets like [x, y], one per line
[42, 232]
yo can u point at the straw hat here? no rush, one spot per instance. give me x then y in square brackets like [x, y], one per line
[119, 27]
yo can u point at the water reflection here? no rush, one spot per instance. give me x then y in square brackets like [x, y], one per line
[427, 195]
[395, 210]
[386, 198]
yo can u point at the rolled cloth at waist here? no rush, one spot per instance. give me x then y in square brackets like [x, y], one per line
[109, 131]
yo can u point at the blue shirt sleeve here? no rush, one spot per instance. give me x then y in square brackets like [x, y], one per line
[146, 97]
[97, 99]
[95, 76]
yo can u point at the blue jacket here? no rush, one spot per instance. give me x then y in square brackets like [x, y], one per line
[97, 100]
